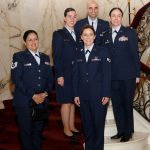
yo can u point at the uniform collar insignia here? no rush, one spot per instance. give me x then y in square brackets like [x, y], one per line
[94, 49]
[107, 41]
[79, 60]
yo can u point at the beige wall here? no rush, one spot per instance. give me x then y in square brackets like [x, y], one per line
[44, 16]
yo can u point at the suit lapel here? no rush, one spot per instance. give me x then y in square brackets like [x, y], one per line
[109, 36]
[92, 54]
[41, 58]
[98, 26]
[82, 54]
[69, 35]
[87, 21]
[30, 57]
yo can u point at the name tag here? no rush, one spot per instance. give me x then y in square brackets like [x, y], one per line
[79, 60]
[29, 64]
[96, 59]
[66, 40]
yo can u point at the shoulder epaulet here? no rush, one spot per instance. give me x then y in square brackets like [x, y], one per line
[21, 52]
[61, 32]
[129, 27]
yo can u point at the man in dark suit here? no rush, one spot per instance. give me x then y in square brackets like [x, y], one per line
[99, 25]
[92, 87]
[32, 76]
[123, 45]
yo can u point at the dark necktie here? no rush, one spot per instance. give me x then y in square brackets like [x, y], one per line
[115, 31]
[73, 35]
[92, 23]
[114, 35]
[37, 57]
[87, 53]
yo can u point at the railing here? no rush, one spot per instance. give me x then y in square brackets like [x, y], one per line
[142, 94]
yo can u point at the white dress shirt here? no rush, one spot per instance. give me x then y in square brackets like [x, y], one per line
[36, 56]
[87, 52]
[93, 22]
[71, 32]
[114, 32]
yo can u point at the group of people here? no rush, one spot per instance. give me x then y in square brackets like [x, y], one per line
[94, 61]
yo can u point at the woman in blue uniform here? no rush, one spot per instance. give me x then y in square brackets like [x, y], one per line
[91, 82]
[122, 42]
[32, 76]
[64, 48]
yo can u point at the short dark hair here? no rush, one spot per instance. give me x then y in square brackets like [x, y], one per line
[68, 10]
[115, 9]
[27, 33]
[87, 27]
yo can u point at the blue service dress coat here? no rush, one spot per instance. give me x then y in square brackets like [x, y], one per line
[124, 53]
[29, 79]
[102, 27]
[91, 82]
[125, 70]
[92, 79]
[64, 48]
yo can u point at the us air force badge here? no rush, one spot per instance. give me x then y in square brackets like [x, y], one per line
[14, 65]
[107, 42]
[101, 34]
[109, 60]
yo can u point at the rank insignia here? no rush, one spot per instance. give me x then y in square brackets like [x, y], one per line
[14, 65]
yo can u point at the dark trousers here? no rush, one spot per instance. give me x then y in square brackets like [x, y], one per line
[30, 131]
[122, 101]
[93, 118]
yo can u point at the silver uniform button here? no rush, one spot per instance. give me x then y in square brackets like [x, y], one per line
[87, 80]
[39, 85]
[39, 77]
[39, 70]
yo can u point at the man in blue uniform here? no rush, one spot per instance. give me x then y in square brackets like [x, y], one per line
[32, 76]
[92, 84]
[99, 25]
[122, 43]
